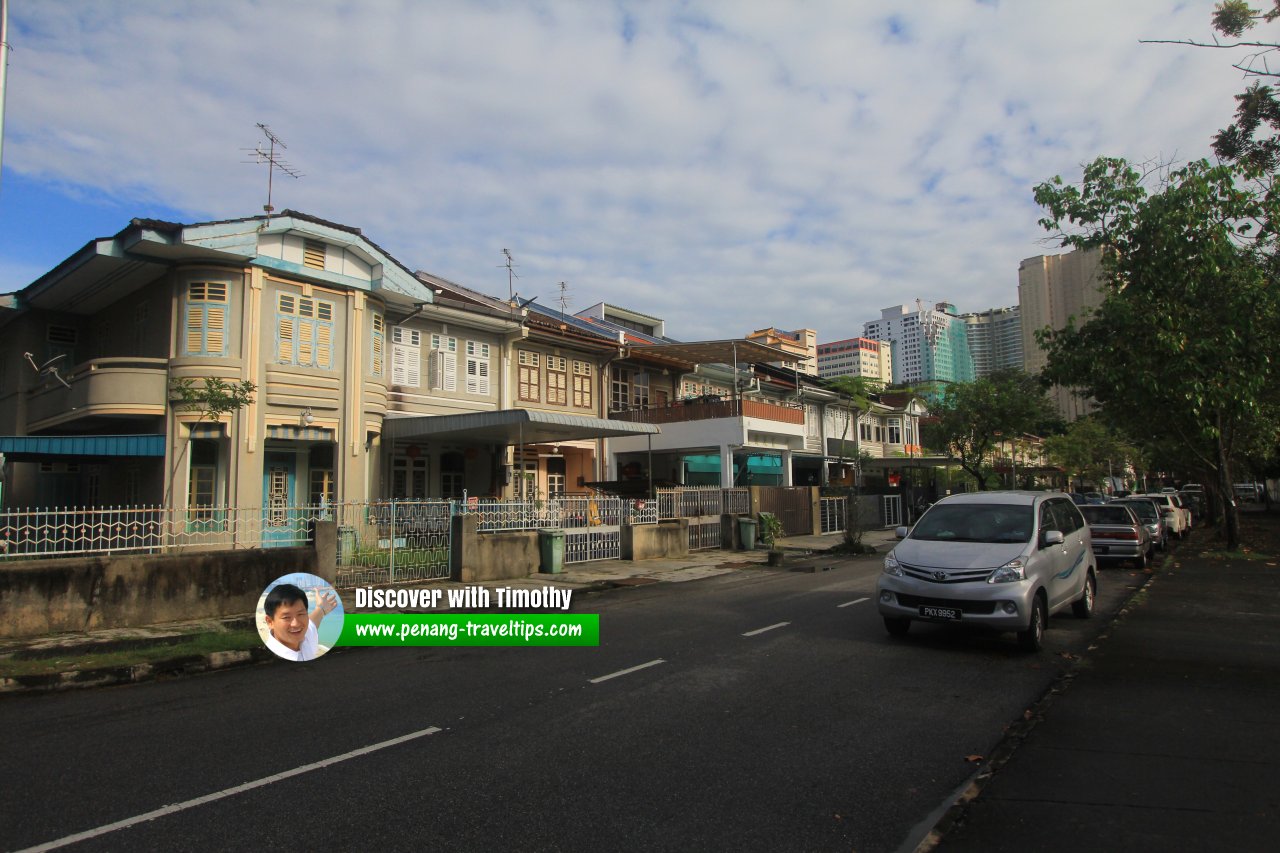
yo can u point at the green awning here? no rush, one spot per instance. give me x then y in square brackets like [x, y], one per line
[37, 448]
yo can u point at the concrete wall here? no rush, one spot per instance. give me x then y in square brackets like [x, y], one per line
[491, 556]
[82, 594]
[656, 541]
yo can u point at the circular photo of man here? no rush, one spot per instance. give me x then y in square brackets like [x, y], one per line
[299, 616]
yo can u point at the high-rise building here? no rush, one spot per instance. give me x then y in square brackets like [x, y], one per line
[857, 357]
[995, 339]
[1053, 289]
[803, 343]
[929, 344]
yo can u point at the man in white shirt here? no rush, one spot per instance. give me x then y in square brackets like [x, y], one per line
[293, 634]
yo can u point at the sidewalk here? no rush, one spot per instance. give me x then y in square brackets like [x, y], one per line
[239, 646]
[1165, 739]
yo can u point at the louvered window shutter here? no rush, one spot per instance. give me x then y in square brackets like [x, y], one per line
[216, 324]
[195, 329]
[285, 340]
[449, 368]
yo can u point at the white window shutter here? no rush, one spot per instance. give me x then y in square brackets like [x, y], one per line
[449, 367]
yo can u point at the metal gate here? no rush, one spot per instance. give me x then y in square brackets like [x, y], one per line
[892, 512]
[704, 532]
[592, 528]
[392, 541]
[792, 504]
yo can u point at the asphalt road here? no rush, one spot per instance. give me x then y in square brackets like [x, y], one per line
[756, 710]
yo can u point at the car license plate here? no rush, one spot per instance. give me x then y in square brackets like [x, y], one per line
[1100, 549]
[930, 612]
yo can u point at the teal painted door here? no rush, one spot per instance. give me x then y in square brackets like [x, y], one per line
[280, 517]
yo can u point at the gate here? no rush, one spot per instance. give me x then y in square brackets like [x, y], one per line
[592, 528]
[892, 511]
[792, 504]
[393, 541]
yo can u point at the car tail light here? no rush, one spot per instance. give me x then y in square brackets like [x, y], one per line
[1116, 534]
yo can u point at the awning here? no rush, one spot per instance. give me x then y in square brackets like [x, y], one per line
[38, 448]
[509, 426]
[715, 352]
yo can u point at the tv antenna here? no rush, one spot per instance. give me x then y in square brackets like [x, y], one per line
[273, 161]
[49, 368]
[564, 298]
[511, 276]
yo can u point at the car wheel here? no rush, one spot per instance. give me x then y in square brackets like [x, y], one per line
[1083, 606]
[1032, 639]
[1142, 561]
[897, 626]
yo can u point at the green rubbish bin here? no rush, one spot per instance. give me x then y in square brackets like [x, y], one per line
[551, 544]
[747, 531]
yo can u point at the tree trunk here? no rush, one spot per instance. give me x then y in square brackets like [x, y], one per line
[1230, 512]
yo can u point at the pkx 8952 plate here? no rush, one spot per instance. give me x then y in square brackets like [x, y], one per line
[930, 611]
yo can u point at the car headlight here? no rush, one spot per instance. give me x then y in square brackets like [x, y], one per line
[891, 566]
[1014, 570]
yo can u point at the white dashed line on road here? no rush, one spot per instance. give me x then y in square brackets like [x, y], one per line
[851, 603]
[762, 630]
[627, 671]
[227, 792]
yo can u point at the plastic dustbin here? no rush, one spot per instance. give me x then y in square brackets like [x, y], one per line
[551, 545]
[747, 531]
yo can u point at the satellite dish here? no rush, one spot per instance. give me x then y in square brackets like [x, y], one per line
[49, 368]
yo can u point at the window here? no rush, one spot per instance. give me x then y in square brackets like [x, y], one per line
[378, 346]
[61, 340]
[320, 466]
[557, 381]
[304, 333]
[206, 318]
[313, 252]
[895, 431]
[477, 368]
[582, 384]
[202, 496]
[452, 475]
[408, 478]
[620, 389]
[406, 357]
[529, 380]
[444, 363]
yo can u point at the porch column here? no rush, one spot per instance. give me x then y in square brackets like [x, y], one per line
[788, 477]
[726, 466]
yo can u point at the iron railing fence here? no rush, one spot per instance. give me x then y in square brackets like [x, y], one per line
[393, 541]
[72, 531]
[694, 501]
[566, 513]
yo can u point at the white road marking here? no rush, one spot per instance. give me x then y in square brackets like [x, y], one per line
[227, 792]
[627, 671]
[851, 603]
[762, 630]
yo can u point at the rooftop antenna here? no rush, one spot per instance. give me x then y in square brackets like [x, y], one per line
[272, 160]
[511, 276]
[564, 298]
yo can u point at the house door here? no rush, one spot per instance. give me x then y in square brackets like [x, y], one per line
[279, 513]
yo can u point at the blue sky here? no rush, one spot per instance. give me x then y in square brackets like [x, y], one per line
[727, 166]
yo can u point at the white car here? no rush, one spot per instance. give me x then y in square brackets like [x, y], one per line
[1176, 515]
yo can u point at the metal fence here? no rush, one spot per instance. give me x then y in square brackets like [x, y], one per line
[833, 512]
[391, 541]
[73, 531]
[702, 500]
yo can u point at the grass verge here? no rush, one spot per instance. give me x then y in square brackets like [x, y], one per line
[195, 644]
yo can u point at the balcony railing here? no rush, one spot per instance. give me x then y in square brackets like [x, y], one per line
[101, 386]
[711, 408]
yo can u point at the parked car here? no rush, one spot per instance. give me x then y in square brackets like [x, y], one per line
[1094, 498]
[1248, 492]
[1002, 560]
[1118, 535]
[1152, 519]
[1177, 517]
[1194, 501]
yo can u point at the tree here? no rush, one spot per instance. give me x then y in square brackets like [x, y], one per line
[1179, 349]
[1088, 451]
[971, 416]
[855, 398]
[217, 398]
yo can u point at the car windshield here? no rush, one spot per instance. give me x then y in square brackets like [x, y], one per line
[1144, 509]
[1106, 515]
[966, 522]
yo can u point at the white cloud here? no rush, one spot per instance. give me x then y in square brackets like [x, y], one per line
[733, 166]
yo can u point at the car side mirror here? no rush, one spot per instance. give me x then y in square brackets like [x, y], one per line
[901, 532]
[1053, 537]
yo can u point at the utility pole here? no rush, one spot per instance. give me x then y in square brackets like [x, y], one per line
[511, 278]
[4, 70]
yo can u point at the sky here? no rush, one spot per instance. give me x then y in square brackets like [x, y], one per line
[725, 166]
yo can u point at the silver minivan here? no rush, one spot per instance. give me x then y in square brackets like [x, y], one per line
[1003, 560]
